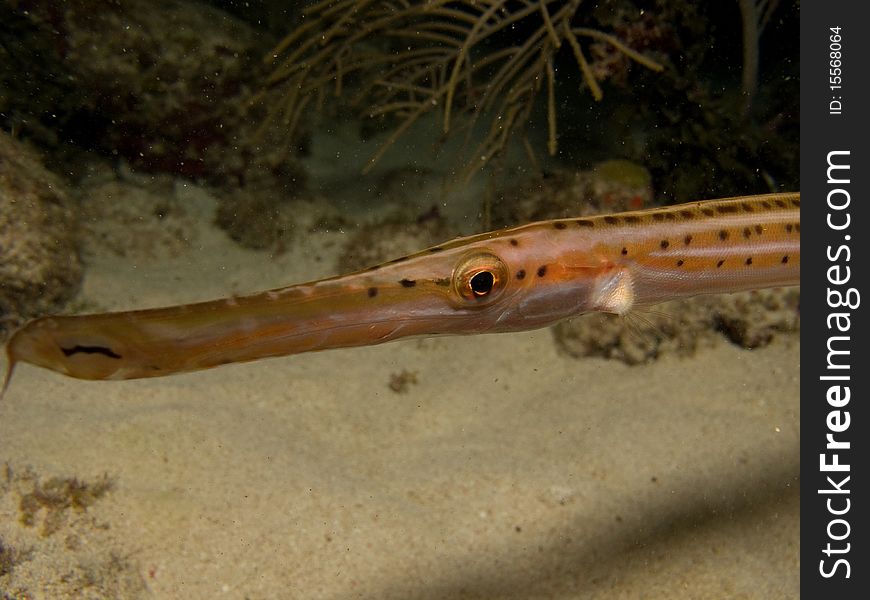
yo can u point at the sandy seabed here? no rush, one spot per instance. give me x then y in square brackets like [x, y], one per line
[503, 470]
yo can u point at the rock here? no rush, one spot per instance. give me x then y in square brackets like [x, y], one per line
[40, 268]
[748, 319]
[166, 85]
[610, 186]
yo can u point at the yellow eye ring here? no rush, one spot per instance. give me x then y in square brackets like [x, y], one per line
[479, 278]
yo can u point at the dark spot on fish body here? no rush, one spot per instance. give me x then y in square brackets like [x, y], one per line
[514, 242]
[658, 216]
[759, 229]
[789, 227]
[687, 214]
[585, 223]
[436, 249]
[687, 240]
[785, 259]
[632, 219]
[747, 232]
[611, 220]
[624, 251]
[664, 244]
[542, 270]
[720, 263]
[797, 227]
[408, 283]
[765, 204]
[708, 211]
[559, 225]
[748, 261]
[680, 263]
[780, 203]
[796, 202]
[726, 209]
[670, 216]
[373, 291]
[723, 234]
[746, 207]
[521, 274]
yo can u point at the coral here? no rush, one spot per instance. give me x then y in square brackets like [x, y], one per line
[470, 60]
[54, 497]
[747, 319]
[165, 85]
[9, 557]
[609, 186]
[40, 267]
[54, 539]
[256, 220]
[262, 213]
[401, 382]
[755, 15]
[687, 124]
[391, 238]
[137, 217]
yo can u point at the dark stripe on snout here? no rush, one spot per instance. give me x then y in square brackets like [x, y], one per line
[90, 350]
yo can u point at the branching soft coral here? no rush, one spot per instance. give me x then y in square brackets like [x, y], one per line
[469, 59]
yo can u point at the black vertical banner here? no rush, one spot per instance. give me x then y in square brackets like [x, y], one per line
[835, 360]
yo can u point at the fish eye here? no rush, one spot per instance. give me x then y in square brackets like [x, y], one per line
[480, 278]
[481, 284]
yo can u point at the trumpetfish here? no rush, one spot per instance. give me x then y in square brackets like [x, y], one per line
[513, 279]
